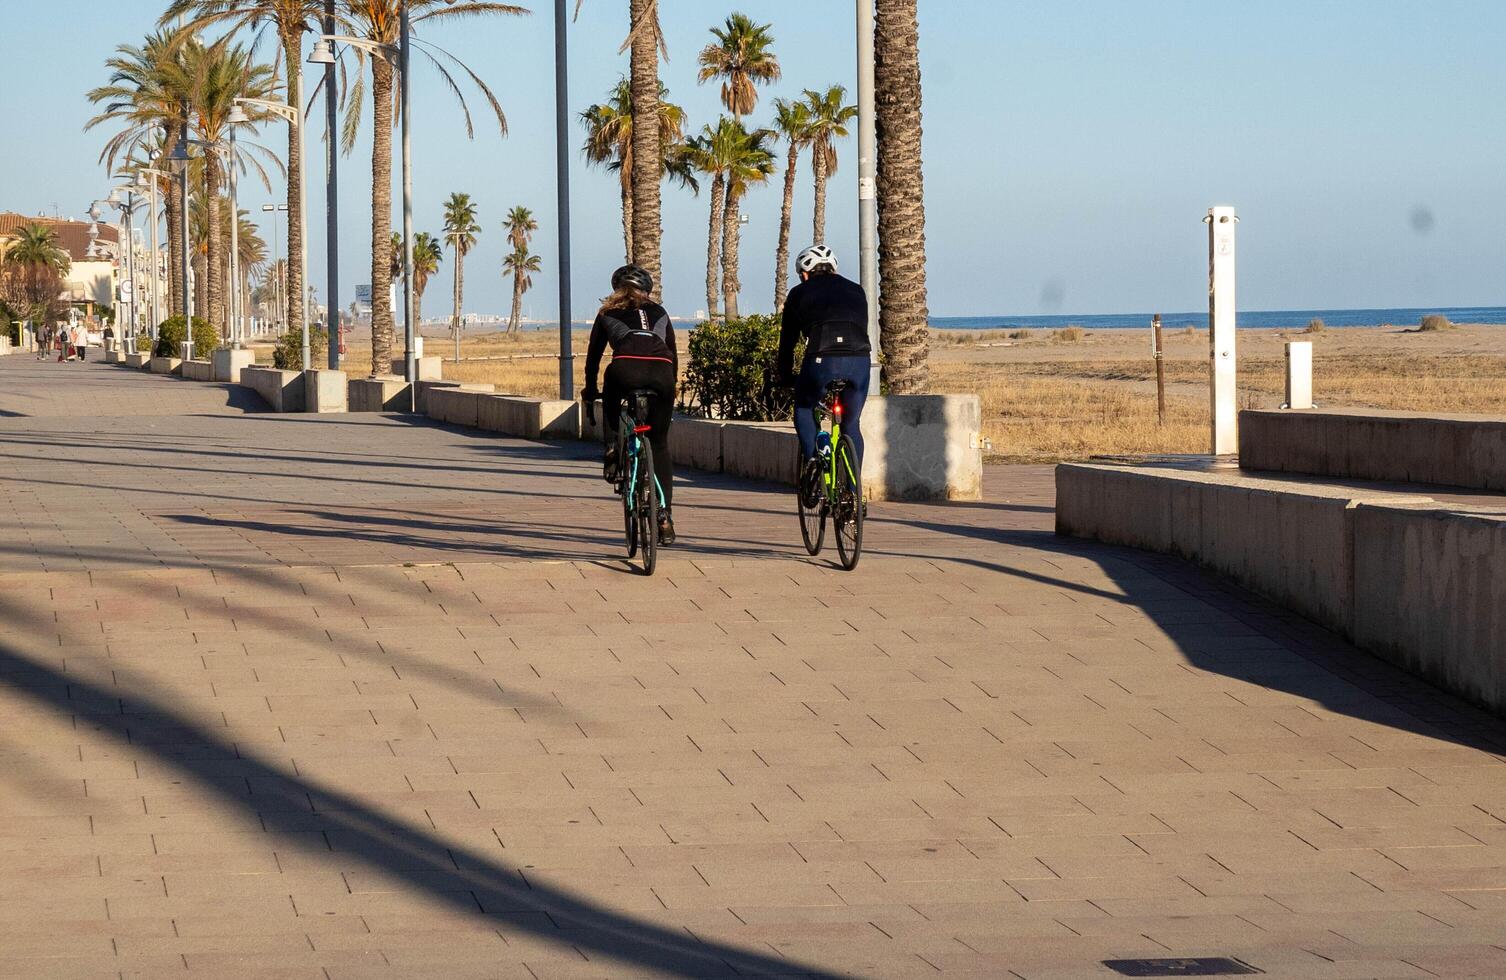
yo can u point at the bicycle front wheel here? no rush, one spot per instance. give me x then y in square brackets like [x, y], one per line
[810, 485]
[847, 516]
[647, 507]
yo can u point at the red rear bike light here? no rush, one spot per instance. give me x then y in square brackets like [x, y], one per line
[837, 408]
[640, 429]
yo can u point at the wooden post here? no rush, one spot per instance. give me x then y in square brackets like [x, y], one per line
[1155, 329]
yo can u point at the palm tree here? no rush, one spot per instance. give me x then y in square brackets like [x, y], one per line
[142, 95]
[520, 226]
[378, 21]
[647, 165]
[290, 19]
[709, 153]
[31, 275]
[828, 122]
[461, 228]
[741, 58]
[217, 75]
[750, 163]
[609, 143]
[791, 124]
[903, 330]
[519, 263]
[37, 245]
[427, 254]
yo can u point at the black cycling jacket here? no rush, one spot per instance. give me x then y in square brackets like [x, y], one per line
[831, 313]
[646, 333]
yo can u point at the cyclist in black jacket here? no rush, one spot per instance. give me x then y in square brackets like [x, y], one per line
[831, 313]
[642, 338]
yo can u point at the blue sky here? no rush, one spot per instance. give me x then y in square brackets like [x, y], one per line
[1071, 148]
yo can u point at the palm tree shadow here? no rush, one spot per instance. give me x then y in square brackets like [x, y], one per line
[467, 880]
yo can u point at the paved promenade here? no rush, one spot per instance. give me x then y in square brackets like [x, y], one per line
[353, 696]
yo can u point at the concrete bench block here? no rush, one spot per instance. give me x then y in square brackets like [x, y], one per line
[429, 368]
[455, 406]
[138, 360]
[114, 357]
[198, 370]
[229, 362]
[424, 387]
[923, 447]
[760, 451]
[283, 391]
[1430, 594]
[379, 394]
[1368, 444]
[1292, 542]
[697, 443]
[529, 418]
[165, 365]
[325, 391]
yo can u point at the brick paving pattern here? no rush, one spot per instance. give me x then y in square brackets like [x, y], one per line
[353, 696]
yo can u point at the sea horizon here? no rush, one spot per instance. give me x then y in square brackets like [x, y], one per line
[1245, 319]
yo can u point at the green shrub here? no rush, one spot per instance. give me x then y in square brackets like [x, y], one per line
[170, 338]
[288, 355]
[732, 371]
[1436, 321]
[1315, 325]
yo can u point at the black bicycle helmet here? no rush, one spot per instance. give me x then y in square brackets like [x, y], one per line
[635, 276]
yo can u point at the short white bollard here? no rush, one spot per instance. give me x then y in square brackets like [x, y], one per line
[1299, 374]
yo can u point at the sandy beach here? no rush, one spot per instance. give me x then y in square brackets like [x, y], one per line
[1047, 397]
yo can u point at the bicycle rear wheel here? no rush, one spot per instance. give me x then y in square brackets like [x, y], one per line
[647, 507]
[847, 516]
[631, 478]
[812, 518]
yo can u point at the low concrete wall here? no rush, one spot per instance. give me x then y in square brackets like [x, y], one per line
[424, 387]
[454, 406]
[138, 360]
[165, 365]
[1430, 594]
[198, 370]
[228, 363]
[379, 394]
[697, 443]
[1292, 542]
[283, 391]
[1367, 444]
[923, 447]
[760, 451]
[325, 391]
[529, 418]
[114, 357]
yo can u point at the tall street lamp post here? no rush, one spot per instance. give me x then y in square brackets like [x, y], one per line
[156, 253]
[562, 194]
[324, 54]
[292, 117]
[279, 300]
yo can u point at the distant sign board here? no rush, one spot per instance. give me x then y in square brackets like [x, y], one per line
[363, 293]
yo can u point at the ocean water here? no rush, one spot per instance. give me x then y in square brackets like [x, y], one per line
[1255, 319]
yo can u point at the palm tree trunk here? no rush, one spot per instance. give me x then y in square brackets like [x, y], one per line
[782, 254]
[627, 217]
[175, 244]
[714, 245]
[731, 237]
[381, 217]
[514, 322]
[292, 46]
[215, 249]
[903, 315]
[648, 160]
[818, 167]
[459, 278]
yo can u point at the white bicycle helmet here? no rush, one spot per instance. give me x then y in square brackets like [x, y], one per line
[814, 258]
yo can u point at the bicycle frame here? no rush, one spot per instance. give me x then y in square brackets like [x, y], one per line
[629, 436]
[832, 411]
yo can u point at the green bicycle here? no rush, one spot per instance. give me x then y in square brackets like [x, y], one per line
[832, 485]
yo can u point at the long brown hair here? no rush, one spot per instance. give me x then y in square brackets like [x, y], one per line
[627, 297]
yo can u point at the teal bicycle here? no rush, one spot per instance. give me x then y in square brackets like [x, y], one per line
[832, 485]
[642, 496]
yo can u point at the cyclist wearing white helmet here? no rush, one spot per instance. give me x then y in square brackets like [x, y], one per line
[831, 313]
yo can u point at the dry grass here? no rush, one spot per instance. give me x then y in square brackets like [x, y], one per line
[1068, 335]
[1434, 322]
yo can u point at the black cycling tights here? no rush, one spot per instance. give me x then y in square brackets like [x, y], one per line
[621, 378]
